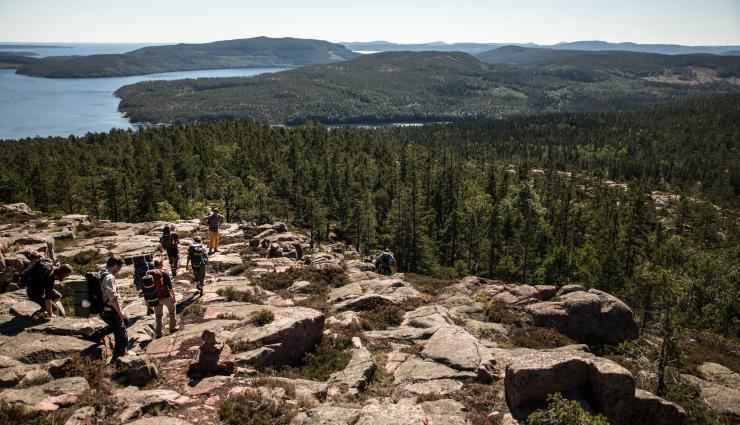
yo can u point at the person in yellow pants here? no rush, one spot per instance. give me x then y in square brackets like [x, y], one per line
[214, 220]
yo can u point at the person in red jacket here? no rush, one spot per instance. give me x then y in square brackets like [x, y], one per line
[166, 295]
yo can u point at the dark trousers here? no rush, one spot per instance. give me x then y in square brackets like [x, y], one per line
[174, 258]
[118, 328]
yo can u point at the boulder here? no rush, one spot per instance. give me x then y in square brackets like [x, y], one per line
[136, 370]
[415, 369]
[292, 332]
[455, 347]
[380, 289]
[356, 376]
[47, 397]
[649, 409]
[721, 399]
[428, 316]
[173, 344]
[588, 316]
[32, 347]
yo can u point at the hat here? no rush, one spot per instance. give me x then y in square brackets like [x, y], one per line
[197, 239]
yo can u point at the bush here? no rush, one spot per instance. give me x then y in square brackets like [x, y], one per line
[539, 338]
[499, 312]
[87, 260]
[249, 407]
[232, 294]
[262, 317]
[561, 411]
[380, 316]
[330, 356]
[321, 280]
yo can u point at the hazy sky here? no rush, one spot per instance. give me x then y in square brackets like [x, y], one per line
[539, 21]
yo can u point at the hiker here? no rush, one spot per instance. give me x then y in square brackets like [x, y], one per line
[170, 241]
[214, 220]
[385, 262]
[39, 280]
[265, 248]
[197, 259]
[165, 298]
[112, 313]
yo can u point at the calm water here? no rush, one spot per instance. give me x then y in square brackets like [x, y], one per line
[32, 106]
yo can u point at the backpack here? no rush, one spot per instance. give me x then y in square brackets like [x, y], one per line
[149, 290]
[95, 291]
[387, 259]
[37, 271]
[165, 240]
[199, 255]
[158, 277]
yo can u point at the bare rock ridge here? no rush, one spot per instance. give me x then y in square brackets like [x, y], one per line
[316, 333]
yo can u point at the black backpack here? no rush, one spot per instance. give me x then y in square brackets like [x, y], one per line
[165, 240]
[199, 256]
[95, 291]
[149, 290]
[37, 271]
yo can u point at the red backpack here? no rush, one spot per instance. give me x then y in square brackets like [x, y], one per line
[158, 278]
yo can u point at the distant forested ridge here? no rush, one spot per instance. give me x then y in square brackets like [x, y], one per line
[435, 86]
[554, 198]
[242, 53]
[12, 60]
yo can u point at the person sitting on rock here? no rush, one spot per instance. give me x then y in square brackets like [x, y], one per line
[112, 313]
[170, 241]
[197, 259]
[214, 221]
[166, 295]
[39, 280]
[385, 262]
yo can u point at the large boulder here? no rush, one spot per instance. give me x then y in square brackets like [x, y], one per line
[455, 347]
[532, 375]
[649, 409]
[292, 332]
[370, 292]
[588, 316]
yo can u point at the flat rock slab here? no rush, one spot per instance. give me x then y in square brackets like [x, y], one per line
[160, 420]
[47, 397]
[377, 412]
[358, 372]
[428, 316]
[415, 369]
[434, 386]
[381, 289]
[33, 347]
[138, 401]
[455, 347]
[84, 328]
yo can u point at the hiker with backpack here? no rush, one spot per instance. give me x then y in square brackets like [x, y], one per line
[39, 280]
[214, 221]
[109, 306]
[385, 262]
[163, 296]
[197, 259]
[170, 241]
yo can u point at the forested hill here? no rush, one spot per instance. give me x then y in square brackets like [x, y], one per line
[419, 87]
[250, 52]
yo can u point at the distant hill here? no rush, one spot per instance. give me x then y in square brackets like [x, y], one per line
[409, 87]
[251, 52]
[474, 48]
[12, 60]
[632, 63]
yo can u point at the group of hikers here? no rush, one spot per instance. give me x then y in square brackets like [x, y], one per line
[153, 282]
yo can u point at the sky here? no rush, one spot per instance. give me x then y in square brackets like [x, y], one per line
[691, 22]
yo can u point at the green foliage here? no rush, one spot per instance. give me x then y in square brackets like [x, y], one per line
[422, 87]
[249, 407]
[561, 411]
[330, 355]
[165, 212]
[262, 317]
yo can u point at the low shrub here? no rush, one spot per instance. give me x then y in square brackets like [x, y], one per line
[321, 280]
[262, 317]
[232, 294]
[380, 316]
[561, 411]
[249, 407]
[498, 312]
[427, 284]
[329, 356]
[535, 337]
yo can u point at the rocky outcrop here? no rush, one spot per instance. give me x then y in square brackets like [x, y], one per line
[531, 375]
[31, 347]
[356, 376]
[455, 347]
[719, 390]
[366, 293]
[47, 397]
